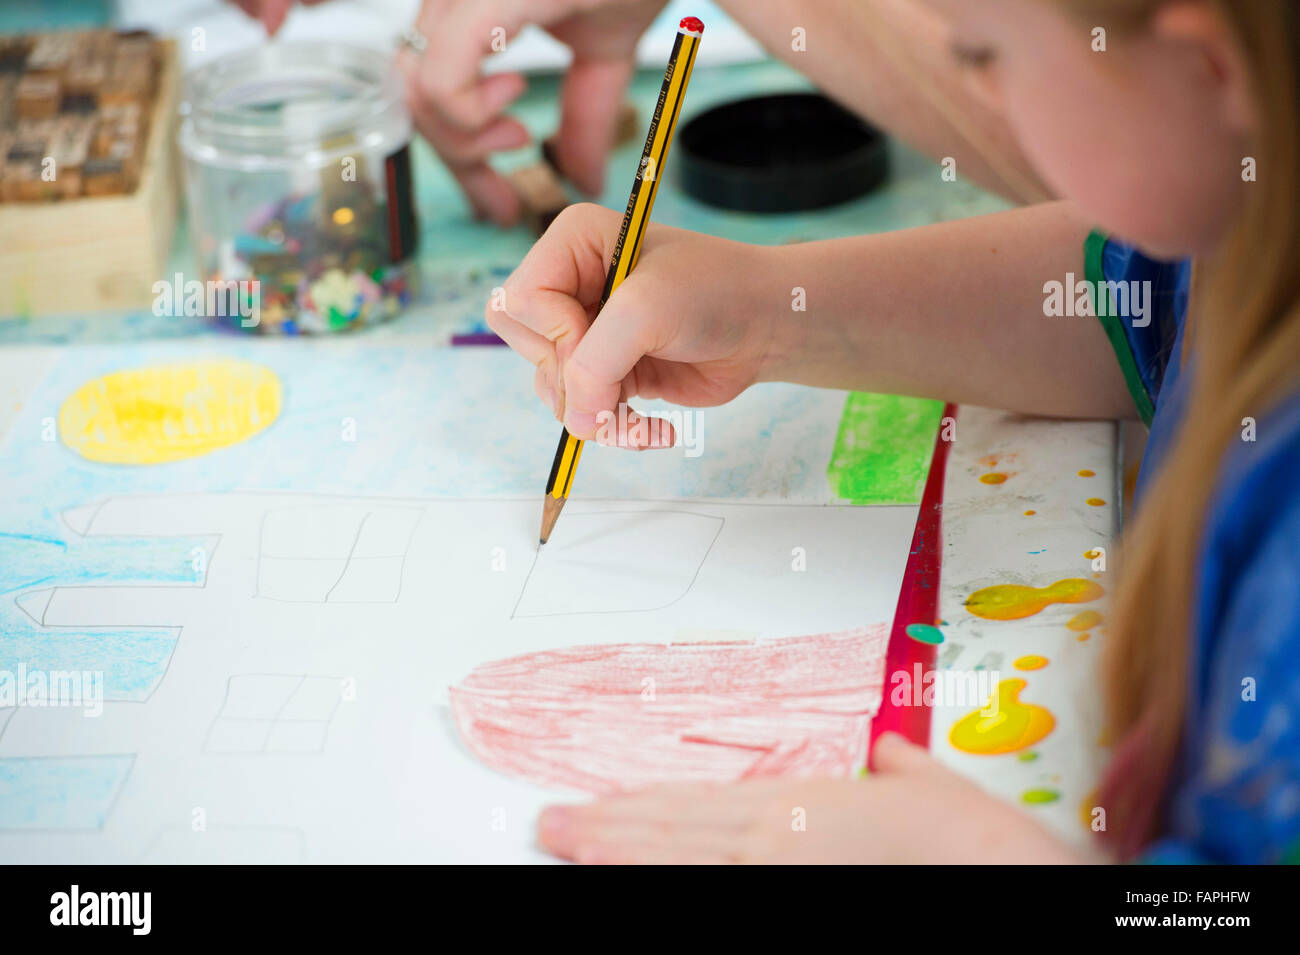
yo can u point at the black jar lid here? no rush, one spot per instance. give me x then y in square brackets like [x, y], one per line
[779, 153]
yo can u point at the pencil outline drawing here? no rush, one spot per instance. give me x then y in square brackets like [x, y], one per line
[27, 607]
[348, 562]
[523, 591]
[269, 744]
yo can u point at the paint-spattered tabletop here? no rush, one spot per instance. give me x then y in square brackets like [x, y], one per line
[1031, 506]
[1031, 511]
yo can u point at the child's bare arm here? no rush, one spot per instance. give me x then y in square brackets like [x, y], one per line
[952, 311]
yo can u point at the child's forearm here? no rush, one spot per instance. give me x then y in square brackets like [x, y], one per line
[952, 311]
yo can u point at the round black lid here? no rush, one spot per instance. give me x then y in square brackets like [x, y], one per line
[779, 153]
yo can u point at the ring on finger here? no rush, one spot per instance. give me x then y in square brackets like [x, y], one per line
[414, 40]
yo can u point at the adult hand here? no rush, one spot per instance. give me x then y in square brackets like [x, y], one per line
[462, 112]
[272, 13]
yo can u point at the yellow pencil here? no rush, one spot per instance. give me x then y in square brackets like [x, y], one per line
[628, 247]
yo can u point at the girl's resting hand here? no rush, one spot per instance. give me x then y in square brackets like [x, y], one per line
[692, 324]
[911, 809]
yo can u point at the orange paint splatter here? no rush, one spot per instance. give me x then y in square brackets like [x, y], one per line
[1082, 637]
[993, 477]
[1013, 726]
[1030, 662]
[1086, 473]
[1092, 554]
[1095, 502]
[1085, 620]
[1014, 601]
[1030, 513]
[1086, 807]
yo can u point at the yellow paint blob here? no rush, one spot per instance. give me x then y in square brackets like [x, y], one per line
[342, 215]
[1030, 662]
[1095, 502]
[1086, 473]
[169, 412]
[1085, 620]
[1014, 601]
[1083, 637]
[1030, 513]
[993, 477]
[1092, 554]
[1014, 726]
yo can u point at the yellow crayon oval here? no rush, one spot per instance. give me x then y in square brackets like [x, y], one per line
[164, 413]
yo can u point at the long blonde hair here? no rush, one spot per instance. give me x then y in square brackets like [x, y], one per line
[1244, 329]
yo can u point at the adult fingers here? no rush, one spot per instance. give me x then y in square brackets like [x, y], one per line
[459, 147]
[590, 101]
[273, 14]
[447, 75]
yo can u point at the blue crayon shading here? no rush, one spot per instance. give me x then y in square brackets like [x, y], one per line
[132, 659]
[60, 792]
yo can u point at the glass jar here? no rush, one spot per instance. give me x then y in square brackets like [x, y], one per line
[298, 174]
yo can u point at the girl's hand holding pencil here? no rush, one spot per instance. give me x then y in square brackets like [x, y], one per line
[690, 325]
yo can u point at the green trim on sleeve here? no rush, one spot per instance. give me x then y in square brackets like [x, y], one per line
[1112, 325]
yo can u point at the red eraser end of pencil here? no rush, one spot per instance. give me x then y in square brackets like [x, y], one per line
[691, 25]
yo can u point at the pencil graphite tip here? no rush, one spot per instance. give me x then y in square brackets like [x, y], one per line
[551, 507]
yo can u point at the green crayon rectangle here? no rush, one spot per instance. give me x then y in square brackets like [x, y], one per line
[882, 451]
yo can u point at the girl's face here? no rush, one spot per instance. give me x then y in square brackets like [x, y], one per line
[1146, 130]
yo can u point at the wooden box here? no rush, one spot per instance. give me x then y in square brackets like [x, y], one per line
[102, 252]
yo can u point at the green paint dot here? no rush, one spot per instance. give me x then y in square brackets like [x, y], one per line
[1028, 757]
[1039, 796]
[924, 633]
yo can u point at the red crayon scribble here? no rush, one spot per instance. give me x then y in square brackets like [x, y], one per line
[608, 718]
